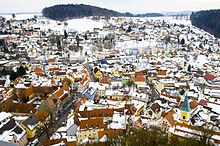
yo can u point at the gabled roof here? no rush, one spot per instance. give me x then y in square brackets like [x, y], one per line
[11, 128]
[38, 71]
[139, 79]
[49, 102]
[169, 117]
[105, 80]
[61, 93]
[155, 107]
[8, 126]
[193, 104]
[42, 114]
[31, 122]
[209, 77]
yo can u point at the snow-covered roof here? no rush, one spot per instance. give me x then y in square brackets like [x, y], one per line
[118, 121]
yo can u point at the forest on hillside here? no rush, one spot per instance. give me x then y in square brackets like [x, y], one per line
[208, 20]
[70, 11]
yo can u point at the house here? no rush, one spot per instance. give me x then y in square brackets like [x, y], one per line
[98, 75]
[90, 93]
[11, 131]
[139, 96]
[31, 126]
[130, 109]
[42, 115]
[105, 80]
[118, 121]
[61, 98]
[108, 133]
[168, 119]
[69, 141]
[89, 128]
[100, 88]
[154, 111]
[105, 113]
[209, 77]
[114, 94]
[151, 75]
[84, 83]
[68, 129]
[161, 73]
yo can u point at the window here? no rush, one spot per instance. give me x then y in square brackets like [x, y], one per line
[184, 117]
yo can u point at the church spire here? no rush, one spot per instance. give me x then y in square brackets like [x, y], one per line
[185, 112]
[186, 106]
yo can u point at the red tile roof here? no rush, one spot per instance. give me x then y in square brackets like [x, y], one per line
[209, 77]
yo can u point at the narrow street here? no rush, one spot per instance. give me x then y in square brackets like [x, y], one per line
[154, 91]
[58, 123]
[89, 69]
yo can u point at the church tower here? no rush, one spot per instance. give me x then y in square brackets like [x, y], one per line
[185, 112]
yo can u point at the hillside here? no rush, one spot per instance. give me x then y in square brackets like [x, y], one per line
[208, 20]
[127, 14]
[66, 12]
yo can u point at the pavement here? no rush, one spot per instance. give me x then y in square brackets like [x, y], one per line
[58, 123]
[154, 91]
[89, 69]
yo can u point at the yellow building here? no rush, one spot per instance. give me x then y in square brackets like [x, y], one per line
[98, 75]
[91, 133]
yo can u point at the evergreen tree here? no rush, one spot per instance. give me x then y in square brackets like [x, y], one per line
[13, 76]
[21, 71]
[65, 34]
[129, 29]
[77, 41]
[58, 42]
[13, 15]
[207, 20]
[182, 42]
[189, 68]
[85, 37]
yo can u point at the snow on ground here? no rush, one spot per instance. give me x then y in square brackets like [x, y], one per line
[171, 20]
[80, 25]
[20, 16]
[85, 24]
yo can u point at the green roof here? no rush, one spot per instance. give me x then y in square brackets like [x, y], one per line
[186, 106]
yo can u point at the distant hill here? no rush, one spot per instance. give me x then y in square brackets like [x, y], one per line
[70, 11]
[127, 14]
[64, 12]
[177, 13]
[208, 20]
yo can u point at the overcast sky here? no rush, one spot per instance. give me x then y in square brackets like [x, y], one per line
[134, 6]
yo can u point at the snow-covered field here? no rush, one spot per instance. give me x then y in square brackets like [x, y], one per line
[19, 16]
[171, 20]
[80, 25]
[85, 24]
